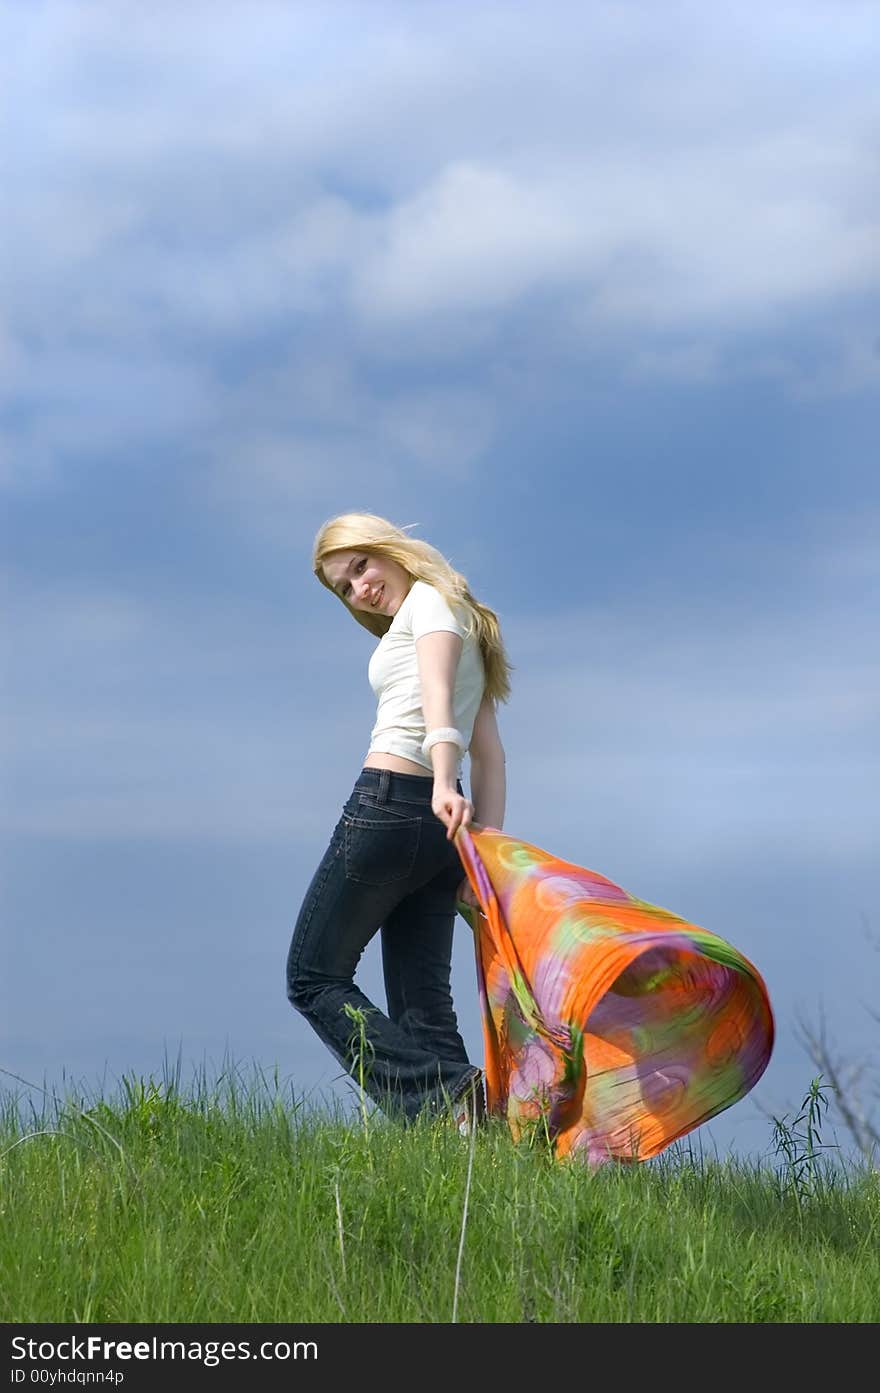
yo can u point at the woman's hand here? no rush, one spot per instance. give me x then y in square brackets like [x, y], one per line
[452, 808]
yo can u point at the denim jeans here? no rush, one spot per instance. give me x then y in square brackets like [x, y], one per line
[389, 866]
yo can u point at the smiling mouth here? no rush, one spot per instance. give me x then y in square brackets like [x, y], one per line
[378, 599]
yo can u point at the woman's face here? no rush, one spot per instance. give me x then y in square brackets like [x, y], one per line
[367, 582]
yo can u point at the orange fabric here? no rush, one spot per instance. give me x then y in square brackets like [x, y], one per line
[611, 1024]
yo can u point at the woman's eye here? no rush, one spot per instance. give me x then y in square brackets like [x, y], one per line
[359, 566]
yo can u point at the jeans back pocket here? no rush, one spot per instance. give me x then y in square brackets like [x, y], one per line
[380, 845]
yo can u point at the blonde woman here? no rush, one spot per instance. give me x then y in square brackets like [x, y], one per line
[438, 672]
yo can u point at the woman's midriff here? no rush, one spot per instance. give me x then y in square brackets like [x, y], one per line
[396, 763]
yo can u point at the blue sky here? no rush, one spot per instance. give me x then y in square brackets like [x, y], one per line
[593, 301]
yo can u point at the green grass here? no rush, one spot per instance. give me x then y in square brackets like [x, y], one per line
[238, 1203]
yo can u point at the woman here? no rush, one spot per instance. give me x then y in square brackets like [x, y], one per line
[438, 672]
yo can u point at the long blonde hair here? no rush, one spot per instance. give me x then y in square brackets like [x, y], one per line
[366, 532]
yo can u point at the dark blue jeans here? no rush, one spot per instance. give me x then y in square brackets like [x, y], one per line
[389, 866]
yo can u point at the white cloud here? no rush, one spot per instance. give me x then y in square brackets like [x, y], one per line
[415, 200]
[692, 168]
[475, 237]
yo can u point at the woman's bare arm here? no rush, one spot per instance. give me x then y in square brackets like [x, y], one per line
[488, 770]
[437, 655]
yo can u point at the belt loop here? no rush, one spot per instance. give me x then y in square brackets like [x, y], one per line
[384, 781]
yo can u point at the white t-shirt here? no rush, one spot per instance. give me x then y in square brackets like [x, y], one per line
[394, 676]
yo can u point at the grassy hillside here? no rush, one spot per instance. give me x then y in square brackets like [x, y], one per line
[239, 1204]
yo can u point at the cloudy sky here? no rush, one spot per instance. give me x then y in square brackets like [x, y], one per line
[587, 292]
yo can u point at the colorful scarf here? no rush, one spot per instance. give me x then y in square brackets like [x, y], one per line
[609, 1025]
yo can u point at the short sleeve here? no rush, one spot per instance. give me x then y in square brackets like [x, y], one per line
[431, 612]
